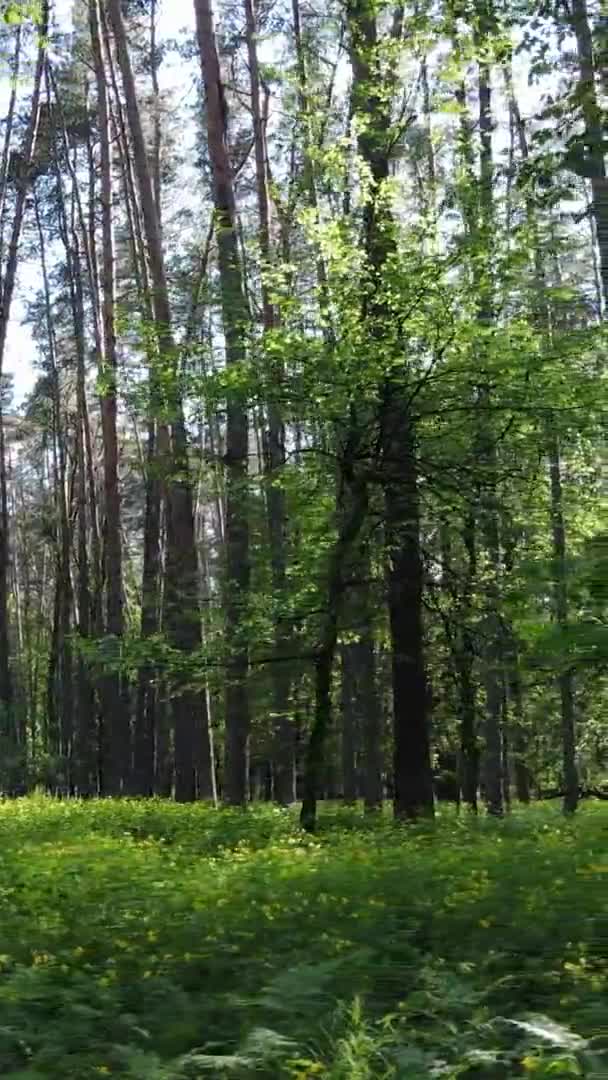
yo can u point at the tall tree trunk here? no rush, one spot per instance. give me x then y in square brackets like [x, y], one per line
[146, 711]
[150, 714]
[85, 732]
[560, 591]
[485, 450]
[284, 752]
[371, 98]
[62, 493]
[558, 527]
[192, 735]
[6, 681]
[116, 718]
[235, 319]
[6, 298]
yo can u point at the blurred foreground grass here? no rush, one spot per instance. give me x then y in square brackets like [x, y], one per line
[152, 941]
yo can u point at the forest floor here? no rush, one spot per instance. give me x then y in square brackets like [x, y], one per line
[147, 940]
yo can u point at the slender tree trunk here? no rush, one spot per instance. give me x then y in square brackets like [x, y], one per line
[372, 731]
[148, 743]
[65, 688]
[284, 752]
[558, 527]
[192, 737]
[236, 320]
[85, 734]
[462, 648]
[485, 449]
[362, 728]
[348, 733]
[521, 773]
[145, 720]
[6, 298]
[6, 681]
[116, 718]
[566, 679]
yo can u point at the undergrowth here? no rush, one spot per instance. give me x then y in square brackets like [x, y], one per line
[151, 941]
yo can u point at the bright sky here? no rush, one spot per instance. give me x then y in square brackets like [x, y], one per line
[20, 358]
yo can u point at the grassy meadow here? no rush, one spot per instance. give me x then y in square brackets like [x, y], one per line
[148, 940]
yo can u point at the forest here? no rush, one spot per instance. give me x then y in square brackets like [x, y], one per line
[303, 538]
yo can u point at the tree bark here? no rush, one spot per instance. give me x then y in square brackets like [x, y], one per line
[85, 765]
[6, 297]
[372, 726]
[63, 689]
[558, 527]
[284, 746]
[413, 794]
[150, 754]
[236, 326]
[560, 592]
[371, 99]
[192, 735]
[485, 446]
[348, 733]
[116, 718]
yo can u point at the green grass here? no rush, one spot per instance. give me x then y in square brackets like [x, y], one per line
[148, 940]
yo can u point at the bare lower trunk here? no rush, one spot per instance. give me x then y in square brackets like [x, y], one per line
[348, 733]
[360, 694]
[413, 794]
[372, 718]
[145, 716]
[492, 760]
[6, 682]
[560, 592]
[85, 765]
[517, 726]
[467, 708]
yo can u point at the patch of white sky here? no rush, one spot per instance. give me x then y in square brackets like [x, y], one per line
[176, 18]
[21, 355]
